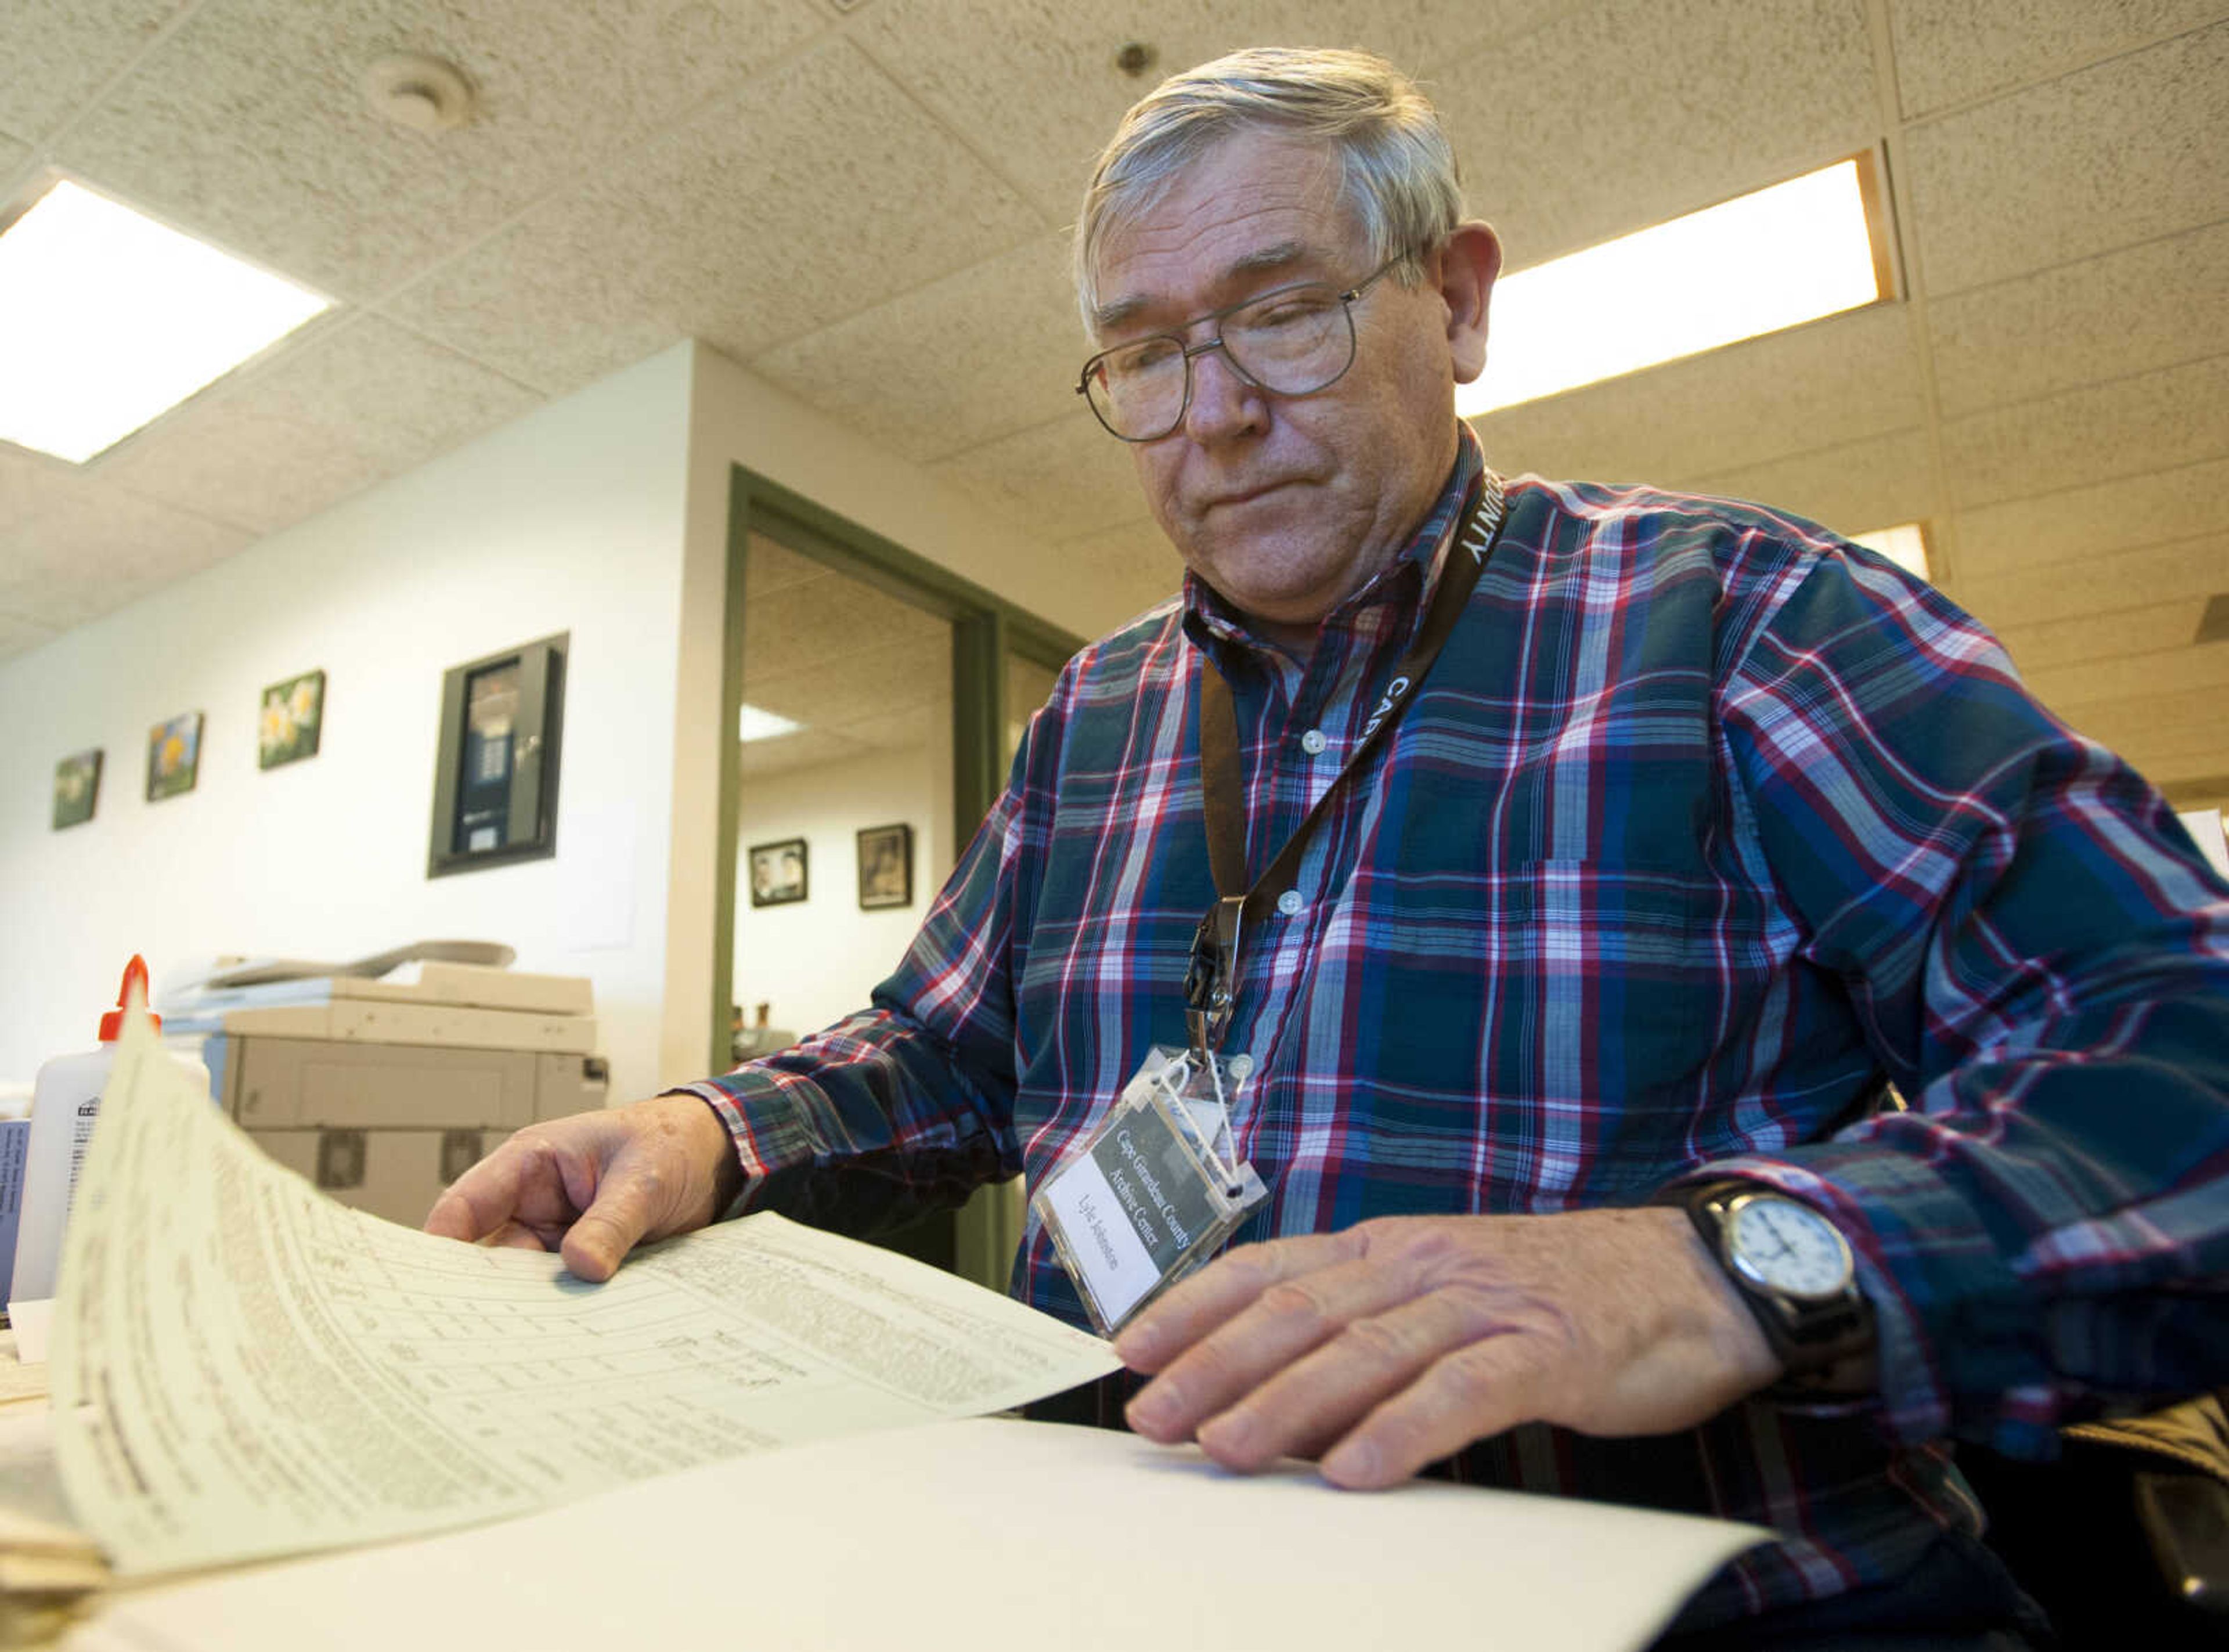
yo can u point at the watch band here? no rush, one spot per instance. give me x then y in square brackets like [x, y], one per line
[1823, 1343]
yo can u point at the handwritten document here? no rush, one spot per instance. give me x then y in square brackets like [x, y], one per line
[242, 1368]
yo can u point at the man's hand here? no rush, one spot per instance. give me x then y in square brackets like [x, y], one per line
[596, 1185]
[1392, 1344]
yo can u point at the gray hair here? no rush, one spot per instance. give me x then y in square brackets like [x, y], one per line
[1397, 168]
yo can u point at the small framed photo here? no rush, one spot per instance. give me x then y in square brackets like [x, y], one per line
[885, 867]
[77, 788]
[174, 756]
[778, 872]
[495, 774]
[293, 713]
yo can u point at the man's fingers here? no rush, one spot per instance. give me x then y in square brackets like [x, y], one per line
[1195, 1307]
[1479, 1390]
[628, 1202]
[1283, 1323]
[516, 1236]
[486, 1197]
[1316, 1398]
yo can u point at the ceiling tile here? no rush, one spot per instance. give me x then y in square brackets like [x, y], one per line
[910, 729]
[870, 683]
[2176, 671]
[2074, 167]
[1034, 80]
[2197, 792]
[2156, 421]
[979, 354]
[1827, 385]
[249, 124]
[73, 547]
[19, 635]
[12, 155]
[1950, 51]
[808, 196]
[1853, 489]
[2158, 304]
[816, 623]
[1058, 480]
[923, 719]
[2081, 589]
[807, 748]
[2182, 727]
[352, 405]
[1121, 572]
[774, 567]
[2197, 742]
[2154, 629]
[2002, 540]
[56, 53]
[1621, 115]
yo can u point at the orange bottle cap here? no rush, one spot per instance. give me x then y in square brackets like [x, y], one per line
[112, 1024]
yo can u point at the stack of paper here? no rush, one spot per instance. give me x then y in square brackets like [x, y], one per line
[47, 1564]
[243, 1370]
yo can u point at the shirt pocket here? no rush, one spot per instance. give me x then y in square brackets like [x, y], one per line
[1624, 997]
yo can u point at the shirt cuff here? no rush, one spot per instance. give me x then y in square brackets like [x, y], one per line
[1957, 1335]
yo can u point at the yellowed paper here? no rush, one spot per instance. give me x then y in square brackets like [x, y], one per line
[17, 1381]
[241, 1368]
[33, 1516]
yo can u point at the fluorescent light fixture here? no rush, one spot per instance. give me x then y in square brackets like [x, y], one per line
[755, 724]
[109, 319]
[1755, 265]
[1904, 544]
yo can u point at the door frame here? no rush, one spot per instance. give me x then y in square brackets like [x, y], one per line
[985, 628]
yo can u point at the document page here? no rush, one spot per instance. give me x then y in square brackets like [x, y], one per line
[241, 1368]
[967, 1535]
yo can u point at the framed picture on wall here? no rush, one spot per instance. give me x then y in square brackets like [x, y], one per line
[292, 716]
[885, 867]
[495, 776]
[77, 788]
[778, 872]
[174, 756]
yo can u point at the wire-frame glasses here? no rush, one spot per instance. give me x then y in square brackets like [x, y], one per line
[1290, 341]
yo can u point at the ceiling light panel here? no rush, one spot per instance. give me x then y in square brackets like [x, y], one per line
[1905, 545]
[757, 724]
[108, 319]
[1776, 259]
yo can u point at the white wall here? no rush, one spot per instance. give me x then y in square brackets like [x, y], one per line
[568, 519]
[815, 961]
[605, 515]
[737, 418]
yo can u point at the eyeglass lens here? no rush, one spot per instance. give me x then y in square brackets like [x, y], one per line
[1289, 343]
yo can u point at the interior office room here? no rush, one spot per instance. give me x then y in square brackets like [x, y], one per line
[728, 347]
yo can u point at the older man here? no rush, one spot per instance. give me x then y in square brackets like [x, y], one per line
[1610, 852]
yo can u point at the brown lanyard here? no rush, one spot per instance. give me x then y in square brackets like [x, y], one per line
[1211, 983]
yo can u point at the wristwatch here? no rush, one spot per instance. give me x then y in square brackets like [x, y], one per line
[1794, 1269]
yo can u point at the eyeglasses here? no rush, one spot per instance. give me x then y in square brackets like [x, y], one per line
[1291, 341]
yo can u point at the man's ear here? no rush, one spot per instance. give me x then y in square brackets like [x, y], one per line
[1470, 259]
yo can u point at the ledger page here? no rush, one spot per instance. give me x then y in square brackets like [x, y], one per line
[241, 1368]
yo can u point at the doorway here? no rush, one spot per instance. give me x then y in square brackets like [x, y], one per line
[874, 701]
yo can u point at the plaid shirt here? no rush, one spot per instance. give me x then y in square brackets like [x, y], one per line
[1705, 827]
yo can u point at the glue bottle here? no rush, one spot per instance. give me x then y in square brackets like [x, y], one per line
[65, 1100]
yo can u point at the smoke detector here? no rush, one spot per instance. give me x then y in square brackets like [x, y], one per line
[419, 93]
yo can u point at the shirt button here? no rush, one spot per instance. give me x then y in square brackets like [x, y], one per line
[1289, 902]
[1313, 742]
[1240, 1066]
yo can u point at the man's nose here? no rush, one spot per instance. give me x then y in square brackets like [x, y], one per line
[1225, 403]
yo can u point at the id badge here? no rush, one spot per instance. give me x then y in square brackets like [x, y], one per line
[1154, 1191]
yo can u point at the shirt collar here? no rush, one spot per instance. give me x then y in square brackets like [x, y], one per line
[1408, 580]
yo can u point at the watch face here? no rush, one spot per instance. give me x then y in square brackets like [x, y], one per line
[1789, 1247]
